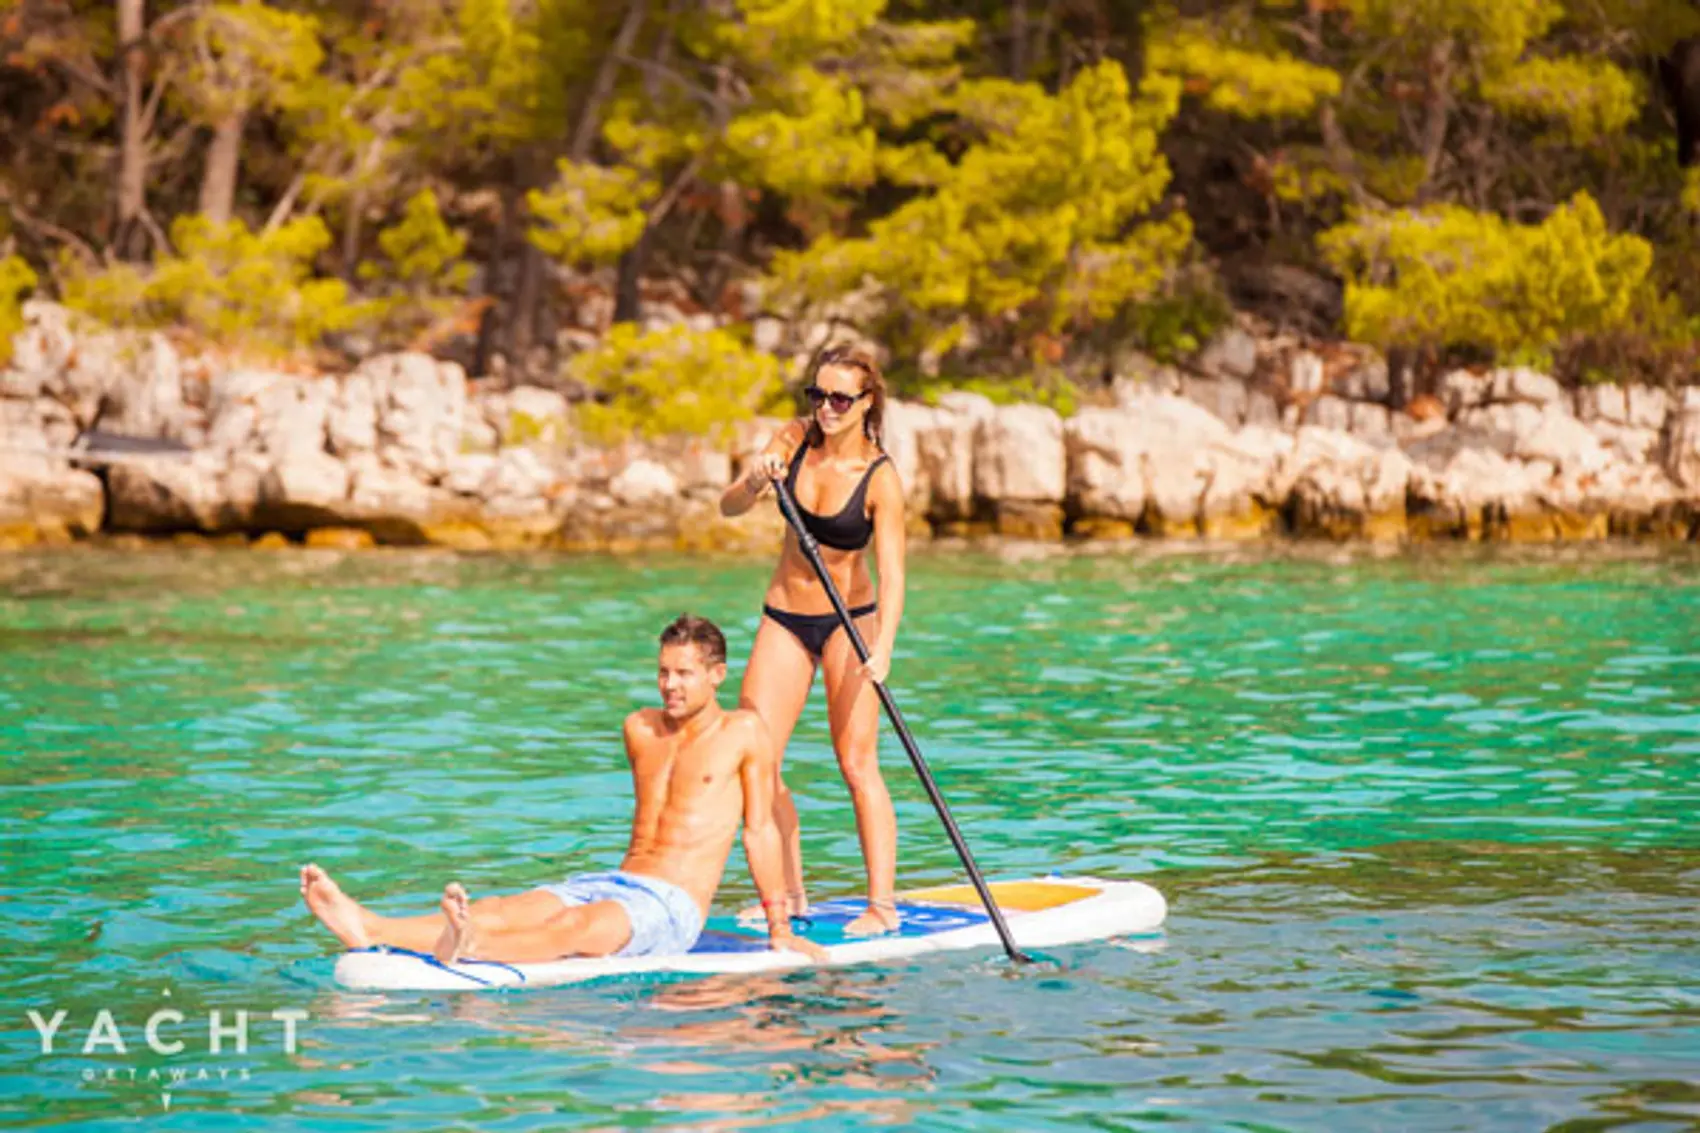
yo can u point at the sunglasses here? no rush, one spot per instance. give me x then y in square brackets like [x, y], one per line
[841, 402]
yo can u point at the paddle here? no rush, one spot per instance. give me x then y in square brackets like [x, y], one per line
[811, 551]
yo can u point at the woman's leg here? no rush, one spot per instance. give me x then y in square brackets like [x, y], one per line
[853, 708]
[776, 686]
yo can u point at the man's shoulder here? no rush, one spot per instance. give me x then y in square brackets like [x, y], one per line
[643, 722]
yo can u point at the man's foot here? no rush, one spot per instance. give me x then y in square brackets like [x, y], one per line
[457, 941]
[879, 918]
[335, 909]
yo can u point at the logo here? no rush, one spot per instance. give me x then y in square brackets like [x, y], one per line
[168, 1049]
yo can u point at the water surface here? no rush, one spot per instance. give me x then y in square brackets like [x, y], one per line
[1425, 823]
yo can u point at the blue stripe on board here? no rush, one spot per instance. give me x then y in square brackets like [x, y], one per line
[825, 925]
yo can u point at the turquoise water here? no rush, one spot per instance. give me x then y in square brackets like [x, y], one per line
[1427, 827]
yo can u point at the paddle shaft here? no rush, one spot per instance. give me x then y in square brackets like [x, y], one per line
[811, 551]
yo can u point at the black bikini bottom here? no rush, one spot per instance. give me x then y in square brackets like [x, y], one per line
[813, 630]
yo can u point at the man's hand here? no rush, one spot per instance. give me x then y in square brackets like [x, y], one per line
[791, 942]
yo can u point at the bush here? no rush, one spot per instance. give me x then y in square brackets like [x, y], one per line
[421, 276]
[1448, 277]
[230, 284]
[672, 381]
[15, 279]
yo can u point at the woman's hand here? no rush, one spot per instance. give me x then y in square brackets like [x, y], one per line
[878, 665]
[763, 471]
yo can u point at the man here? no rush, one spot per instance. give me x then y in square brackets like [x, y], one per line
[697, 769]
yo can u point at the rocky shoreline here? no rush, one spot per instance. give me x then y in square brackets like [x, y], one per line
[1259, 438]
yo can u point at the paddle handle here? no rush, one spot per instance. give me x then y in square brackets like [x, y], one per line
[811, 551]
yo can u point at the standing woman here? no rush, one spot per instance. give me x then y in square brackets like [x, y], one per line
[849, 496]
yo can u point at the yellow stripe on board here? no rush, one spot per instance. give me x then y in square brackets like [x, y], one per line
[1018, 896]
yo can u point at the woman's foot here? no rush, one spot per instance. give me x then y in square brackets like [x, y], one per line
[879, 918]
[797, 905]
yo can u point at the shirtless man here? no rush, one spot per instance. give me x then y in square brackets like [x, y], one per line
[697, 770]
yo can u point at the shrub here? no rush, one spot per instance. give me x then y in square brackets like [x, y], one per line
[421, 276]
[672, 381]
[15, 279]
[226, 282]
[1448, 277]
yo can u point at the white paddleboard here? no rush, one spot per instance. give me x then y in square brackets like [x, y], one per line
[1042, 912]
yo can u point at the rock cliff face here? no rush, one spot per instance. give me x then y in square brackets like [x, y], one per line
[1262, 440]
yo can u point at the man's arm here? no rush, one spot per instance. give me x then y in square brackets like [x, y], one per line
[762, 843]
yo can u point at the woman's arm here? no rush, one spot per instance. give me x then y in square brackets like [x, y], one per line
[765, 467]
[891, 534]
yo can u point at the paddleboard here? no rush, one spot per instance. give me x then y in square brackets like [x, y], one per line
[1042, 912]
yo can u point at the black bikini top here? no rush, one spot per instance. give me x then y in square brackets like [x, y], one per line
[851, 528]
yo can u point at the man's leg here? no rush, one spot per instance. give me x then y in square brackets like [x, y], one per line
[533, 932]
[358, 927]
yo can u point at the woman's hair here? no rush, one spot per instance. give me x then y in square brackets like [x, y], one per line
[873, 382]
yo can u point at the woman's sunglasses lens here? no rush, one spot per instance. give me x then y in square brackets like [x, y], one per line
[841, 402]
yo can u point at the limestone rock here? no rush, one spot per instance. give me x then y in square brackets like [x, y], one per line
[1329, 413]
[291, 416]
[1367, 381]
[44, 498]
[351, 418]
[643, 482]
[421, 404]
[1461, 390]
[1602, 403]
[1305, 373]
[1341, 487]
[145, 399]
[304, 489]
[945, 453]
[1149, 462]
[1231, 354]
[1682, 452]
[1521, 384]
[1625, 442]
[377, 492]
[468, 471]
[1226, 398]
[518, 482]
[40, 351]
[1018, 455]
[1648, 406]
[905, 421]
[167, 494]
[1526, 431]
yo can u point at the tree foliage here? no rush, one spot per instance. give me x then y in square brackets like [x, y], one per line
[995, 191]
[1446, 276]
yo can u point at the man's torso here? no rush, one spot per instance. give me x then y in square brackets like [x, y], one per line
[689, 802]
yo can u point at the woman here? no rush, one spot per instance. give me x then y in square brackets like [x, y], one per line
[849, 496]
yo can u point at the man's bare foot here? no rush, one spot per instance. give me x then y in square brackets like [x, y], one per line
[457, 941]
[335, 909]
[880, 918]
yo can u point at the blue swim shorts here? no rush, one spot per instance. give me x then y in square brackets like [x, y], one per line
[665, 921]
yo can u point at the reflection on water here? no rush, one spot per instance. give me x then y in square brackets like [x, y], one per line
[1425, 824]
